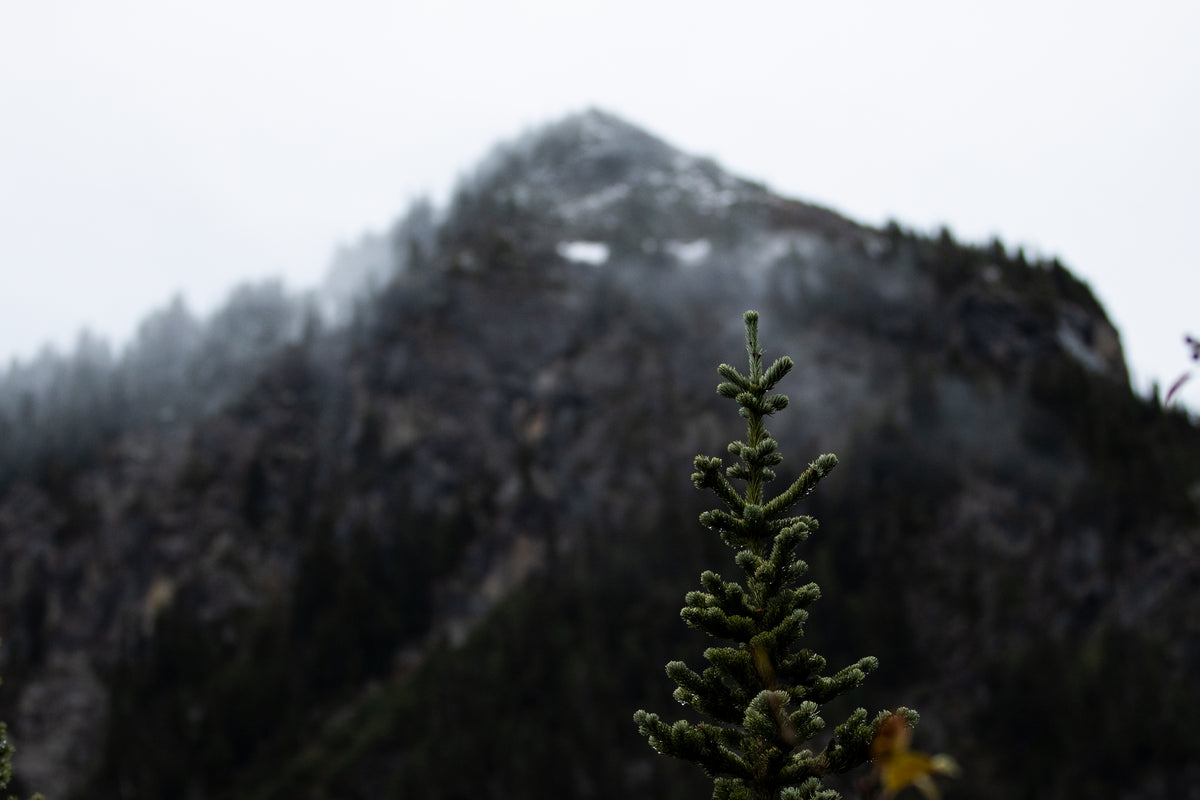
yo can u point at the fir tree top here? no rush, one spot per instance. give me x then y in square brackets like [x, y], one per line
[762, 693]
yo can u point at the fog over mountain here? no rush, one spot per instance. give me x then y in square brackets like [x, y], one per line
[159, 148]
[425, 531]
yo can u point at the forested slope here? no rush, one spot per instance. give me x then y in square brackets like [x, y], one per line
[439, 547]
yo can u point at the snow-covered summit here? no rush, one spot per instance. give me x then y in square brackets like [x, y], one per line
[597, 170]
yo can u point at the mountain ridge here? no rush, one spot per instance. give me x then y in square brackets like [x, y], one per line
[500, 431]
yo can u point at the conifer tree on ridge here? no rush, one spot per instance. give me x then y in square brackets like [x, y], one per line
[763, 695]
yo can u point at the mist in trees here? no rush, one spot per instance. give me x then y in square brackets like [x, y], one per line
[57, 409]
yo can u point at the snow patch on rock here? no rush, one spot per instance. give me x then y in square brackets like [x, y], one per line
[593, 253]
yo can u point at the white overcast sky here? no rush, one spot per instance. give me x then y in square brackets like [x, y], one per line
[154, 147]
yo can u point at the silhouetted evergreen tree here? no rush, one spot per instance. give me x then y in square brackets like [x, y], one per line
[762, 693]
[1194, 346]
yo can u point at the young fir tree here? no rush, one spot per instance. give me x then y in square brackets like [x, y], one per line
[763, 694]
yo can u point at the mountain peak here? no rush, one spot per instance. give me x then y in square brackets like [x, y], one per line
[598, 172]
[599, 126]
[591, 147]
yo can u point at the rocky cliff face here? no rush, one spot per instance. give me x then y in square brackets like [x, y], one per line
[185, 606]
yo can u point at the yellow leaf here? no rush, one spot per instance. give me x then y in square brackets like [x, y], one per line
[898, 767]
